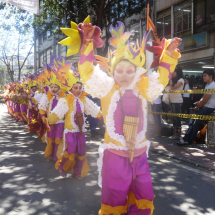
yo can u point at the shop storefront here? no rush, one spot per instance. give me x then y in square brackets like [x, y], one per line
[194, 22]
[197, 55]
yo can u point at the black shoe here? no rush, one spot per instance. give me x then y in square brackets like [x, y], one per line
[183, 143]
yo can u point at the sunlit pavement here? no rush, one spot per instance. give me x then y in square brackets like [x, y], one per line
[31, 185]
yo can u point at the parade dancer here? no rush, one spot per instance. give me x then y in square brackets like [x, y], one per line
[24, 103]
[11, 104]
[32, 106]
[47, 103]
[123, 168]
[73, 107]
[17, 106]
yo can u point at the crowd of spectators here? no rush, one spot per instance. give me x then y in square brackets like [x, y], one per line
[201, 104]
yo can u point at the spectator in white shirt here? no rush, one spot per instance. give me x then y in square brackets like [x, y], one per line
[176, 100]
[186, 96]
[203, 107]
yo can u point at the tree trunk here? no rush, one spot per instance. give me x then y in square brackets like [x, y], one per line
[100, 13]
[105, 51]
[10, 73]
[18, 61]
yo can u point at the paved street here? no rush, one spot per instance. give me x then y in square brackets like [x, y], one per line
[31, 185]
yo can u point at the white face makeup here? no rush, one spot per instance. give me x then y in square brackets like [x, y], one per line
[76, 89]
[124, 73]
[34, 89]
[54, 89]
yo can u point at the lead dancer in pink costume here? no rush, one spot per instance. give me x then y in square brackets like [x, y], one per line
[125, 181]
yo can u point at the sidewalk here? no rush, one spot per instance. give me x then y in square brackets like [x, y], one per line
[197, 154]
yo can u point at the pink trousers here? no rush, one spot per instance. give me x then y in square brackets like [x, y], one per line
[76, 144]
[119, 176]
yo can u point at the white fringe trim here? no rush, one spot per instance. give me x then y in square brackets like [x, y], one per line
[155, 89]
[99, 83]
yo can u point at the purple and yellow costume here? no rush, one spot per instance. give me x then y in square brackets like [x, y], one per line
[73, 152]
[54, 136]
[123, 182]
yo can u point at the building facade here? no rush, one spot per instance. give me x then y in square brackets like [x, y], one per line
[47, 45]
[194, 22]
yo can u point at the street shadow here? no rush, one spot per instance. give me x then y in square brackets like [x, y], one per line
[31, 185]
[179, 191]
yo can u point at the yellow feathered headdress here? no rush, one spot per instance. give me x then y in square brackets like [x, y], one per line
[131, 51]
[124, 50]
[59, 72]
[66, 76]
[31, 81]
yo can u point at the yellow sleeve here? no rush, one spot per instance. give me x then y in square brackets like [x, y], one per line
[53, 119]
[167, 65]
[99, 114]
[86, 67]
[59, 111]
[91, 108]
[97, 83]
[43, 114]
[33, 101]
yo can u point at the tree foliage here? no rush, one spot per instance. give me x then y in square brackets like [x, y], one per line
[55, 14]
[16, 32]
[2, 76]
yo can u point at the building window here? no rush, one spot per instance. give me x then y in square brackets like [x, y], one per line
[41, 60]
[48, 33]
[63, 50]
[49, 54]
[40, 40]
[182, 19]
[44, 35]
[45, 56]
[199, 13]
[135, 31]
[164, 24]
[204, 13]
[210, 11]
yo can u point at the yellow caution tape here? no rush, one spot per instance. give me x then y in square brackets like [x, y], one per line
[188, 116]
[197, 91]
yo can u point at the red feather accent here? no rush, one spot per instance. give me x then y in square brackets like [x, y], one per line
[157, 50]
[36, 124]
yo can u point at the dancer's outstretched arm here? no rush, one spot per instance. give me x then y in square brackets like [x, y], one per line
[59, 111]
[91, 108]
[97, 83]
[167, 63]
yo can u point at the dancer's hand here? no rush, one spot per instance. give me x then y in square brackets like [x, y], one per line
[89, 30]
[175, 42]
[100, 118]
[47, 124]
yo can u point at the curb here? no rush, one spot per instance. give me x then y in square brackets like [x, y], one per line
[176, 157]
